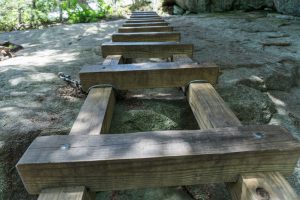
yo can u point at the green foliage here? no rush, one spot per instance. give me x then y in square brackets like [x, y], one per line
[21, 14]
[24, 14]
[79, 12]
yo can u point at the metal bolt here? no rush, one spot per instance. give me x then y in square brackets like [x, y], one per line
[259, 135]
[65, 147]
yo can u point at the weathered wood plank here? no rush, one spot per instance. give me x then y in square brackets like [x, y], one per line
[68, 193]
[145, 29]
[209, 108]
[147, 37]
[147, 75]
[144, 12]
[144, 20]
[143, 16]
[154, 159]
[96, 113]
[212, 112]
[113, 60]
[145, 24]
[268, 185]
[146, 49]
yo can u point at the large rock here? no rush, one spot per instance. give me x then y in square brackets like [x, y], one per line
[218, 5]
[250, 106]
[197, 6]
[278, 76]
[291, 7]
[254, 5]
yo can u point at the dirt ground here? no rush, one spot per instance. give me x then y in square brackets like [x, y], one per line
[34, 101]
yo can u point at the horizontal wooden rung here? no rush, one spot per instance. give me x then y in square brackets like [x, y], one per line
[146, 49]
[144, 12]
[156, 159]
[145, 24]
[147, 75]
[144, 20]
[147, 37]
[145, 29]
[143, 16]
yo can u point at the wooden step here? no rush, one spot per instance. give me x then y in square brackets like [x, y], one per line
[267, 185]
[156, 159]
[152, 12]
[147, 37]
[146, 49]
[143, 16]
[146, 29]
[212, 112]
[147, 75]
[145, 24]
[96, 112]
[145, 20]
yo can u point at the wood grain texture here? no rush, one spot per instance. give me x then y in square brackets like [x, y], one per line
[146, 49]
[147, 37]
[145, 29]
[96, 113]
[66, 193]
[145, 24]
[209, 108]
[143, 16]
[268, 185]
[142, 12]
[147, 75]
[155, 159]
[144, 20]
[113, 60]
[212, 112]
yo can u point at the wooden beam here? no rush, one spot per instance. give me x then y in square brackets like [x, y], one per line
[142, 12]
[146, 49]
[94, 118]
[144, 20]
[67, 193]
[156, 159]
[146, 29]
[268, 185]
[211, 112]
[143, 16]
[147, 75]
[96, 113]
[209, 108]
[113, 60]
[145, 24]
[147, 37]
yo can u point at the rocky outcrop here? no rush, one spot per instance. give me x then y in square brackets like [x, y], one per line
[250, 106]
[197, 6]
[291, 7]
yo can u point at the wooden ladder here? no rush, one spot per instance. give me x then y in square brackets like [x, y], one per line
[251, 160]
